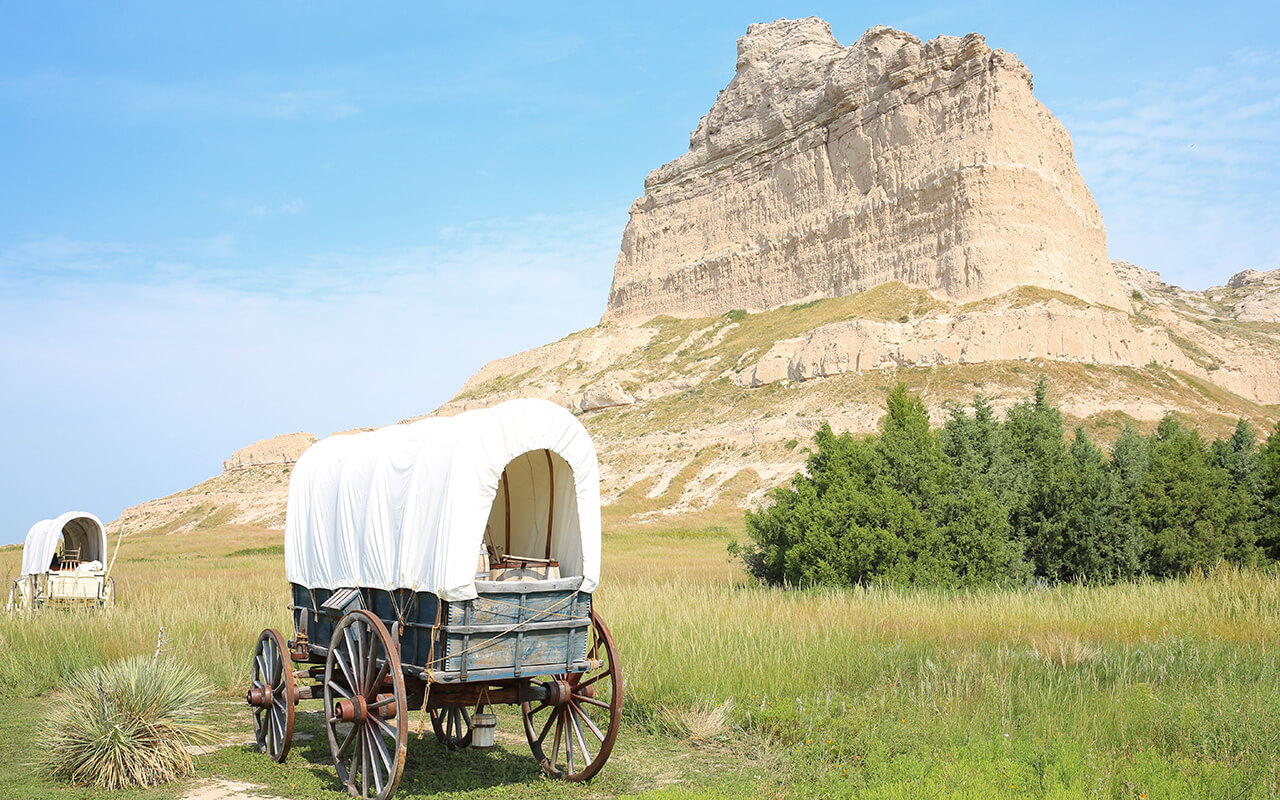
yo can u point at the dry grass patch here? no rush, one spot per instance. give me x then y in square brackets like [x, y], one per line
[701, 724]
[1063, 649]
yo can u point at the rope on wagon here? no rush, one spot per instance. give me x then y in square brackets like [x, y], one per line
[486, 642]
[431, 676]
[431, 648]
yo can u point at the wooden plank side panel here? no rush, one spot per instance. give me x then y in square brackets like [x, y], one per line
[545, 645]
[539, 652]
[542, 642]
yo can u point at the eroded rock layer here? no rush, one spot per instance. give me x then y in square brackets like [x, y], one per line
[823, 170]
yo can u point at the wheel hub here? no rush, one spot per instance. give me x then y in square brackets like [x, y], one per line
[259, 697]
[354, 710]
[558, 692]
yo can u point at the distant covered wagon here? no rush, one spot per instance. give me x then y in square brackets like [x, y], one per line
[64, 563]
[442, 567]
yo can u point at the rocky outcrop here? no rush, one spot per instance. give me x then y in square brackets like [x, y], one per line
[283, 449]
[824, 170]
[1057, 330]
[1255, 295]
[1146, 285]
[605, 394]
[1249, 296]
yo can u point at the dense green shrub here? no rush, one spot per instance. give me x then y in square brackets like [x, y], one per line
[983, 501]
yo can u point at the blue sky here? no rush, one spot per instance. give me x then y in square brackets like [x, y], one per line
[220, 223]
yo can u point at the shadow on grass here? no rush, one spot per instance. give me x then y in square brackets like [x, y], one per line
[429, 770]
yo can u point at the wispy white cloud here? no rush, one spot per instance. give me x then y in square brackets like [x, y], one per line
[499, 69]
[175, 363]
[1187, 172]
[121, 96]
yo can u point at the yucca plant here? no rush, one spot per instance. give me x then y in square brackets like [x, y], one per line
[124, 724]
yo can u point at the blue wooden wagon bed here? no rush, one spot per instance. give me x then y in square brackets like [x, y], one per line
[444, 567]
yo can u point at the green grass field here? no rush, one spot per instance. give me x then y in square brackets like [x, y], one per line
[1153, 690]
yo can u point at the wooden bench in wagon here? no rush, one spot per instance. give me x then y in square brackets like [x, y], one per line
[442, 567]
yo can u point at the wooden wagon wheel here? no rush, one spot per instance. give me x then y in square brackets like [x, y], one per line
[591, 711]
[453, 726]
[271, 695]
[365, 707]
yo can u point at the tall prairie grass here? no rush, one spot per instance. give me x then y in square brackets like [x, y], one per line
[1180, 677]
[211, 606]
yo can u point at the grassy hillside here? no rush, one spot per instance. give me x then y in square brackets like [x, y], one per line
[1140, 690]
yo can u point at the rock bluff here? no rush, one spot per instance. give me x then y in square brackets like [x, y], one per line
[282, 449]
[823, 170]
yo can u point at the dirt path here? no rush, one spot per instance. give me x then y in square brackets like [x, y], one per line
[228, 790]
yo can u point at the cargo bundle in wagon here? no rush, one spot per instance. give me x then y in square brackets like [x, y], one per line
[444, 567]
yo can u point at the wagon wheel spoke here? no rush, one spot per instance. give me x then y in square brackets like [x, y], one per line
[355, 757]
[371, 688]
[546, 726]
[555, 748]
[541, 706]
[346, 743]
[587, 719]
[273, 665]
[568, 739]
[364, 763]
[347, 671]
[383, 755]
[271, 693]
[590, 681]
[577, 734]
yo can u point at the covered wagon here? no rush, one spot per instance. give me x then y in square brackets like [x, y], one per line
[442, 567]
[64, 564]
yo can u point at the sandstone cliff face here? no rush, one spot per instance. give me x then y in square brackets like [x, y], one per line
[824, 170]
[282, 449]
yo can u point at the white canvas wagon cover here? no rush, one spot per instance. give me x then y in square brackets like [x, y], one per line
[80, 531]
[410, 506]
